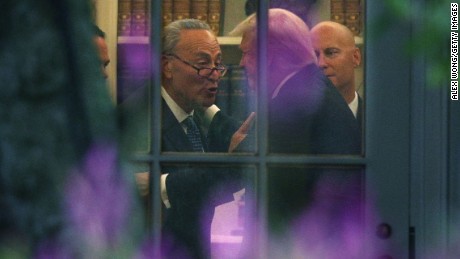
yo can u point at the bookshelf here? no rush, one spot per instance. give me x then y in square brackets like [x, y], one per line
[133, 40]
[223, 40]
[229, 18]
[227, 40]
[229, 46]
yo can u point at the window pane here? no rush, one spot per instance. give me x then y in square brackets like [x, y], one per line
[307, 111]
[306, 115]
[315, 211]
[207, 207]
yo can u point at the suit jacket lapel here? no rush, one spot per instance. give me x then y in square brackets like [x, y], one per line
[173, 135]
[359, 115]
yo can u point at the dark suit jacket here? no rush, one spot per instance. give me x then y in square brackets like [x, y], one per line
[308, 116]
[194, 190]
[359, 116]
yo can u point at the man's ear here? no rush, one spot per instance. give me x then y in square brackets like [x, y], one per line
[166, 67]
[357, 57]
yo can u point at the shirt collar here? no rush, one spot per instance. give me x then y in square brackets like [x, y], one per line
[354, 105]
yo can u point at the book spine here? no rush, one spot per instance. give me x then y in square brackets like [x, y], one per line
[167, 9]
[222, 98]
[239, 102]
[124, 18]
[139, 20]
[133, 68]
[353, 16]
[199, 10]
[214, 11]
[338, 11]
[148, 26]
[181, 9]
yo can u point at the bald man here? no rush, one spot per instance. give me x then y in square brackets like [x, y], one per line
[338, 57]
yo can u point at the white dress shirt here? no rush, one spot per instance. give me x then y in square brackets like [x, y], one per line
[354, 105]
[180, 115]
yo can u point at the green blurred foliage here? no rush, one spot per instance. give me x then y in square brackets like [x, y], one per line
[430, 29]
[54, 105]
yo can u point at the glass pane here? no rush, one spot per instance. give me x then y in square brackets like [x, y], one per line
[305, 116]
[315, 212]
[307, 112]
[134, 65]
[236, 97]
[206, 208]
[345, 67]
[134, 113]
[203, 208]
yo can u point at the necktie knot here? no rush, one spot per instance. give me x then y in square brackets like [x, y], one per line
[193, 134]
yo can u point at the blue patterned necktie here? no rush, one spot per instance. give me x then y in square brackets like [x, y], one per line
[193, 134]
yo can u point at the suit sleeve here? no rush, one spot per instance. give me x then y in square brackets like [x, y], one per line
[336, 130]
[220, 132]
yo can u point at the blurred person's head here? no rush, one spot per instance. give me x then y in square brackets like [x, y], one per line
[305, 9]
[191, 63]
[289, 46]
[337, 55]
[99, 39]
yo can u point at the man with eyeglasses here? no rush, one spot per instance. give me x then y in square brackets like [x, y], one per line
[191, 69]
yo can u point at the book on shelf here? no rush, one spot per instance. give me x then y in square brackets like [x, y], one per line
[133, 69]
[167, 12]
[353, 22]
[134, 16]
[353, 16]
[214, 15]
[139, 18]
[233, 95]
[338, 11]
[124, 17]
[241, 99]
[199, 10]
[181, 9]
[348, 13]
[222, 93]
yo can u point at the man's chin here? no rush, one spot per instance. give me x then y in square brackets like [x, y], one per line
[208, 102]
[333, 79]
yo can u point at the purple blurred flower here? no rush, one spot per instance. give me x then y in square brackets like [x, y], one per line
[332, 226]
[53, 249]
[97, 198]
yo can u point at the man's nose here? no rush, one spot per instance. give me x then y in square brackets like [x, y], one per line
[321, 62]
[215, 76]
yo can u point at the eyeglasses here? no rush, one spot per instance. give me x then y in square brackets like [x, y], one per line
[204, 71]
